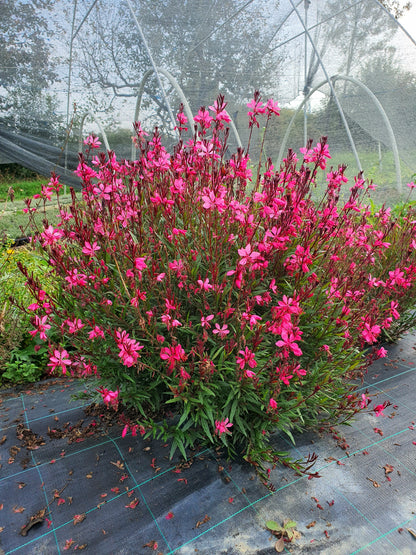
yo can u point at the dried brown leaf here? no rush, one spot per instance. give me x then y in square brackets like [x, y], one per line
[17, 509]
[79, 518]
[118, 464]
[279, 545]
[388, 468]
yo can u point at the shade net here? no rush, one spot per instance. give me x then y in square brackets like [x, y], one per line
[344, 70]
[70, 482]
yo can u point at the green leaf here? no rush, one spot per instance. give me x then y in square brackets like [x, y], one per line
[273, 526]
[173, 448]
[206, 429]
[182, 449]
[233, 409]
[290, 524]
[289, 433]
[184, 415]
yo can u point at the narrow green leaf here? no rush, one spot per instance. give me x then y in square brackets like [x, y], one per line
[289, 433]
[206, 429]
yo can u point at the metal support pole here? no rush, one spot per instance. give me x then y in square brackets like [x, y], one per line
[153, 65]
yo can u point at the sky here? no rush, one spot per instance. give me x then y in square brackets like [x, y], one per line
[409, 20]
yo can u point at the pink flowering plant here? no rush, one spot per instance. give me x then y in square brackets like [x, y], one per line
[232, 301]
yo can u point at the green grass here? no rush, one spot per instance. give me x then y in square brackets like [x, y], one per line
[22, 188]
[14, 222]
[25, 184]
[383, 175]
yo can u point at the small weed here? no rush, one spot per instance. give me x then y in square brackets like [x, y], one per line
[285, 533]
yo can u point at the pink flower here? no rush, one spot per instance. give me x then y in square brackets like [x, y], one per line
[288, 342]
[272, 107]
[184, 374]
[252, 318]
[182, 119]
[75, 279]
[370, 333]
[96, 332]
[221, 426]
[284, 375]
[51, 235]
[249, 374]
[173, 355]
[220, 112]
[205, 285]
[92, 141]
[74, 325]
[42, 327]
[140, 263]
[248, 256]
[203, 118]
[89, 249]
[221, 331]
[59, 360]
[364, 401]
[272, 404]
[256, 108]
[379, 410]
[128, 348]
[110, 398]
[247, 357]
[205, 321]
[381, 353]
[393, 308]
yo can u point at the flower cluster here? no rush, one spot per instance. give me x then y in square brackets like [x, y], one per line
[244, 312]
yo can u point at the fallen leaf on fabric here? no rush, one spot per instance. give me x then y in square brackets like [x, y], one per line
[203, 521]
[79, 518]
[118, 464]
[388, 468]
[133, 504]
[68, 544]
[17, 509]
[279, 545]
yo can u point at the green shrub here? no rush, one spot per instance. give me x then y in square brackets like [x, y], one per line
[241, 312]
[16, 348]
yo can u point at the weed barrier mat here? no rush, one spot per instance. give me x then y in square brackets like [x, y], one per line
[70, 482]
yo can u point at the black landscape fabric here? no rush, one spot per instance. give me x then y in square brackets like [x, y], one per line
[70, 482]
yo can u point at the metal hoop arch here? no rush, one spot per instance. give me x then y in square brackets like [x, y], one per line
[378, 105]
[181, 95]
[97, 121]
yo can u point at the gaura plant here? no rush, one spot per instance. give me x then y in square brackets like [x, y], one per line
[190, 286]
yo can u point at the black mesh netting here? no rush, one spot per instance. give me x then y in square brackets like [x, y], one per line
[341, 69]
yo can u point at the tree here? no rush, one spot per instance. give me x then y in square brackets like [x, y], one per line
[26, 68]
[209, 47]
[396, 7]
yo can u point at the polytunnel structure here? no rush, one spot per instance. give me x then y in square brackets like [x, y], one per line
[338, 69]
